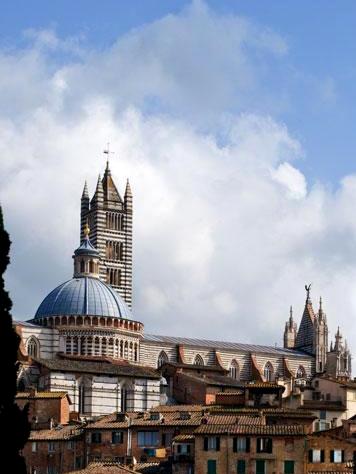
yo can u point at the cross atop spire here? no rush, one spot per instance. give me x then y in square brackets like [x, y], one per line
[307, 288]
[107, 152]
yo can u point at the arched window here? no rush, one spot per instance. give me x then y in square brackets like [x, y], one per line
[33, 347]
[268, 372]
[300, 372]
[91, 266]
[123, 399]
[121, 252]
[198, 360]
[234, 370]
[82, 266]
[162, 359]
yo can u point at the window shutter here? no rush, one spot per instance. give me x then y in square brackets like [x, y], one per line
[217, 443]
[310, 455]
[269, 445]
[188, 448]
[248, 445]
[179, 448]
[234, 445]
[331, 455]
[322, 456]
[163, 439]
[205, 444]
[342, 456]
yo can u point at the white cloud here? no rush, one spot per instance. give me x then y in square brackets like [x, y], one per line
[227, 232]
[292, 179]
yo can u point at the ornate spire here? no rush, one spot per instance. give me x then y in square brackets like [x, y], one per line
[307, 288]
[85, 194]
[291, 316]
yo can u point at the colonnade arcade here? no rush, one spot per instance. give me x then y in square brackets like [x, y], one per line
[92, 321]
[105, 346]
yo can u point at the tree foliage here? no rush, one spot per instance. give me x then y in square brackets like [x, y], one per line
[14, 425]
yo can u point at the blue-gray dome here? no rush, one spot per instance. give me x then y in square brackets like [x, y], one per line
[81, 296]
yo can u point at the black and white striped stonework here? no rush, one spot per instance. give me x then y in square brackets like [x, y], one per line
[110, 221]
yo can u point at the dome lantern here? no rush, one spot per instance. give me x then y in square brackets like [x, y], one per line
[86, 258]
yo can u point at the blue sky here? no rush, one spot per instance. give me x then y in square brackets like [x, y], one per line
[321, 48]
[234, 122]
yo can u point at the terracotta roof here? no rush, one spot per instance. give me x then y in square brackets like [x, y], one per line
[59, 433]
[332, 405]
[203, 368]
[279, 412]
[41, 395]
[216, 380]
[267, 430]
[148, 467]
[233, 420]
[184, 438]
[339, 470]
[98, 367]
[137, 419]
[103, 467]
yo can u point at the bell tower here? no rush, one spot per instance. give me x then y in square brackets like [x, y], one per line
[110, 220]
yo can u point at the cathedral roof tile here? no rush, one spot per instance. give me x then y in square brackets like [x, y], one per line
[233, 346]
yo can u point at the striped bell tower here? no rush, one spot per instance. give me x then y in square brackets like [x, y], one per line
[110, 220]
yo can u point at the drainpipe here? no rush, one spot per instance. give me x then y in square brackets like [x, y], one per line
[129, 437]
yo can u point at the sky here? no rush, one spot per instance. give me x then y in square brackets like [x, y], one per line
[234, 121]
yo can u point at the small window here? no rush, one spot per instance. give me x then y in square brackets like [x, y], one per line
[241, 466]
[51, 446]
[70, 444]
[147, 438]
[316, 384]
[52, 470]
[183, 448]
[96, 437]
[117, 437]
[288, 467]
[264, 445]
[316, 455]
[322, 415]
[337, 455]
[260, 466]
[211, 466]
[212, 443]
[241, 445]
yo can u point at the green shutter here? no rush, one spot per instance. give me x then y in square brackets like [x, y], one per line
[288, 467]
[241, 466]
[331, 455]
[211, 466]
[322, 456]
[217, 443]
[234, 445]
[260, 466]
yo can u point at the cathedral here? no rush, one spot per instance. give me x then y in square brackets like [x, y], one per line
[85, 340]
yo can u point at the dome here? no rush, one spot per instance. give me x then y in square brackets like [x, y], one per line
[86, 248]
[82, 296]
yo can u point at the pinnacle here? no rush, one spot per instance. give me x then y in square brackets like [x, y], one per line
[85, 193]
